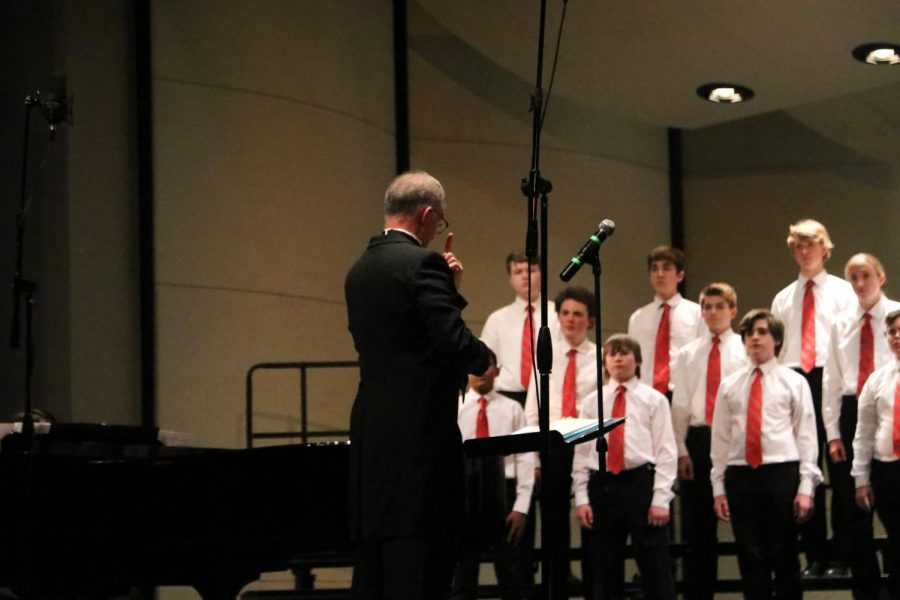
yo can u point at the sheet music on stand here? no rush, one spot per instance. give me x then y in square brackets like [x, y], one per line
[564, 432]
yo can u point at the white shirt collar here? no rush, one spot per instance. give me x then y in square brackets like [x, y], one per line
[474, 396]
[768, 366]
[407, 232]
[581, 348]
[673, 301]
[629, 385]
[723, 337]
[818, 279]
[521, 303]
[878, 311]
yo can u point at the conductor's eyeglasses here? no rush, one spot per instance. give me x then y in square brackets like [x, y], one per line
[443, 225]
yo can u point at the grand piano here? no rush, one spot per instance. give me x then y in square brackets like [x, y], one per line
[94, 510]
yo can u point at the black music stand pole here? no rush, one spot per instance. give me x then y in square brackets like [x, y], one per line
[536, 187]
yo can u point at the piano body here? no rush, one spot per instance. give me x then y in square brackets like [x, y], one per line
[93, 510]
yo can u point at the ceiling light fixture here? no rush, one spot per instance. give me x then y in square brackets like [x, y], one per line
[724, 93]
[880, 53]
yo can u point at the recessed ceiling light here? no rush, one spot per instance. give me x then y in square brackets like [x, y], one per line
[727, 93]
[878, 54]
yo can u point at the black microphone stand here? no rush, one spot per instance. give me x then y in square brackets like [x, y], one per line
[535, 187]
[594, 260]
[56, 108]
[23, 288]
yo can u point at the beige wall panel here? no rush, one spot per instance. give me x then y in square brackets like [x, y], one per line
[477, 141]
[255, 193]
[487, 215]
[208, 339]
[736, 225]
[103, 220]
[274, 139]
[459, 93]
[323, 53]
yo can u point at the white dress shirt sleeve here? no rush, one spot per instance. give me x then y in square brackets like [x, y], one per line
[779, 311]
[502, 333]
[681, 400]
[804, 424]
[531, 406]
[640, 324]
[666, 454]
[490, 333]
[585, 457]
[524, 481]
[720, 441]
[866, 425]
[524, 467]
[581, 472]
[832, 387]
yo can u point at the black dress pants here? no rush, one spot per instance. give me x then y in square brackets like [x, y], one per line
[417, 568]
[512, 561]
[814, 532]
[886, 488]
[761, 501]
[620, 510]
[854, 543]
[555, 527]
[699, 523]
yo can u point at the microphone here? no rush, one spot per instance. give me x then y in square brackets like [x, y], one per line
[604, 230]
[55, 105]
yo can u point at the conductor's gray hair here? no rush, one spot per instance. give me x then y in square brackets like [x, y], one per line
[412, 191]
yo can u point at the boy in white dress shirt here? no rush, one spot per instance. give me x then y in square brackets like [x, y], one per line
[876, 449]
[631, 496]
[485, 413]
[858, 346]
[807, 308]
[574, 357]
[698, 369]
[764, 451]
[663, 326]
[573, 377]
[511, 334]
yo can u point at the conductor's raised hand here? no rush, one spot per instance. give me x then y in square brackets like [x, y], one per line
[452, 261]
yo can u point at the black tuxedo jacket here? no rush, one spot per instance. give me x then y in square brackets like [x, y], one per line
[406, 466]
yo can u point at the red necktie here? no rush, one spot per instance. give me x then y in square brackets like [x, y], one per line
[569, 392]
[896, 435]
[615, 458]
[753, 449]
[866, 353]
[481, 426]
[525, 369]
[713, 378]
[808, 329]
[661, 357]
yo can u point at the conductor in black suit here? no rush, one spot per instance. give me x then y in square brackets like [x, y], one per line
[406, 465]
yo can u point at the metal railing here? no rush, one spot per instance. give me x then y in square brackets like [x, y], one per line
[302, 367]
